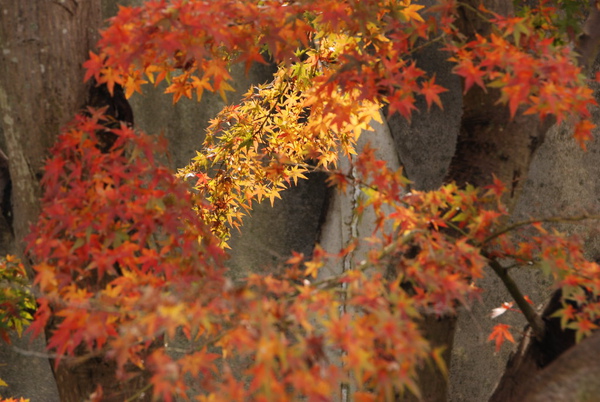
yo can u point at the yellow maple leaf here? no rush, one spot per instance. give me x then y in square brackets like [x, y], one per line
[200, 85]
[410, 12]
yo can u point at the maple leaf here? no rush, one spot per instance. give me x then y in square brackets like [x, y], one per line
[516, 95]
[45, 277]
[93, 66]
[133, 84]
[583, 132]
[471, 73]
[312, 268]
[402, 103]
[180, 87]
[200, 85]
[497, 188]
[566, 315]
[499, 334]
[410, 12]
[224, 87]
[339, 180]
[431, 90]
[110, 77]
[54, 167]
[583, 327]
[295, 259]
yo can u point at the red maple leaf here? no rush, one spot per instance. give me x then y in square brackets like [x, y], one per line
[471, 73]
[430, 90]
[93, 66]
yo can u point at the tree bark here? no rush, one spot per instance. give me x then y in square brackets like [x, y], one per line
[532, 355]
[558, 368]
[43, 45]
[490, 144]
[573, 376]
[588, 42]
[509, 151]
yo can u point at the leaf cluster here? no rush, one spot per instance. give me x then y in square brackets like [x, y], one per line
[129, 256]
[16, 300]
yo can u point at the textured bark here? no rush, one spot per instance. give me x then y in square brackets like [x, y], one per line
[533, 355]
[553, 368]
[490, 143]
[432, 382]
[588, 41]
[43, 45]
[571, 377]
[41, 86]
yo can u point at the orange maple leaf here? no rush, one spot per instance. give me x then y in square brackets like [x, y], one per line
[583, 328]
[497, 188]
[583, 132]
[410, 12]
[110, 77]
[499, 334]
[200, 85]
[133, 84]
[180, 87]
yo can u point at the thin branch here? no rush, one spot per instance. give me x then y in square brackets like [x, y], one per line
[552, 219]
[474, 10]
[427, 44]
[535, 321]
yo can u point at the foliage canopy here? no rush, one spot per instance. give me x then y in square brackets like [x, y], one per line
[126, 253]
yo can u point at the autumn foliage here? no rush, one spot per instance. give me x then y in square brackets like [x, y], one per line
[127, 254]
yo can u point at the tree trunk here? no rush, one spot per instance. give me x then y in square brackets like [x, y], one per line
[573, 376]
[507, 150]
[489, 144]
[43, 45]
[533, 355]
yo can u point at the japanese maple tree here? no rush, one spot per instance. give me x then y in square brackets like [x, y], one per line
[128, 256]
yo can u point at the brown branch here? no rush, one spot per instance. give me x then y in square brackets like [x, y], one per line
[535, 321]
[552, 219]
